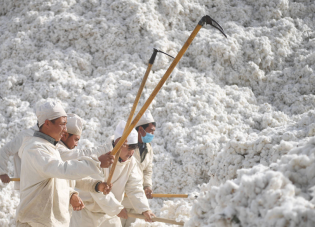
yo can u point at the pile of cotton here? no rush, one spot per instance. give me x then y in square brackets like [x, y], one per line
[278, 195]
[234, 119]
[258, 196]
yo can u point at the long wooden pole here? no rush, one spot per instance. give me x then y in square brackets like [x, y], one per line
[168, 195]
[14, 179]
[164, 220]
[157, 89]
[204, 20]
[132, 112]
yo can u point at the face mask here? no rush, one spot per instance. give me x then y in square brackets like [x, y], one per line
[147, 138]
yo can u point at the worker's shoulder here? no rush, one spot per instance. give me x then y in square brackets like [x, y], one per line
[36, 143]
[28, 131]
[149, 146]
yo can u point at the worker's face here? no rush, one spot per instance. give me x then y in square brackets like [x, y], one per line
[57, 128]
[71, 141]
[150, 129]
[126, 153]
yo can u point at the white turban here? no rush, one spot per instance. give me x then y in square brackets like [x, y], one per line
[145, 119]
[49, 111]
[133, 136]
[74, 124]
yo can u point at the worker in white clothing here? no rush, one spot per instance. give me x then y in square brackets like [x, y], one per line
[106, 211]
[11, 149]
[68, 142]
[144, 157]
[44, 190]
[66, 149]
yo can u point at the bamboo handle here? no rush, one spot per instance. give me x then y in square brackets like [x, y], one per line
[132, 112]
[156, 90]
[133, 109]
[168, 195]
[164, 220]
[14, 179]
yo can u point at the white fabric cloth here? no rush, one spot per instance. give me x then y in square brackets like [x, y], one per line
[44, 192]
[126, 179]
[11, 149]
[74, 124]
[67, 154]
[145, 169]
[127, 222]
[145, 119]
[70, 154]
[49, 111]
[84, 217]
[133, 136]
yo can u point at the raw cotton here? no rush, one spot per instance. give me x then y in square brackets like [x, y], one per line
[234, 120]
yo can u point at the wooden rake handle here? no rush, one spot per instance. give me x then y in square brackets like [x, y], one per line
[204, 20]
[156, 90]
[168, 195]
[132, 112]
[164, 220]
[14, 179]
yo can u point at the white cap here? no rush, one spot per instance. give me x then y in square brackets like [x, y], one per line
[49, 111]
[145, 119]
[74, 124]
[133, 136]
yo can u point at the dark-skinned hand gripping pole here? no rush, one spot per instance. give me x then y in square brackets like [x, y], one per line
[204, 20]
[133, 109]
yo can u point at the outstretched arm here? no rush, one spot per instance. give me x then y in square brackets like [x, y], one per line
[10, 149]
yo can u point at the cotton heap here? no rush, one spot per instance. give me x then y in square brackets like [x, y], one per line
[49, 111]
[230, 103]
[145, 119]
[133, 136]
[74, 124]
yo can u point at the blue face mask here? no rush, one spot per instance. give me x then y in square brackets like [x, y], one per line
[147, 138]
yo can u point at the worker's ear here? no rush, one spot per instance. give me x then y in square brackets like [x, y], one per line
[142, 131]
[65, 136]
[46, 123]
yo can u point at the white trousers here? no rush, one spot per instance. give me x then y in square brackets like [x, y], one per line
[19, 224]
[127, 222]
[86, 218]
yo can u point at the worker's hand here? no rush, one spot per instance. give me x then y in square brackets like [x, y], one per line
[148, 215]
[148, 192]
[106, 159]
[123, 214]
[76, 202]
[5, 178]
[104, 187]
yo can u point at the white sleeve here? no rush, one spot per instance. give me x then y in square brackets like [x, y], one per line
[87, 184]
[135, 193]
[109, 204]
[147, 172]
[11, 149]
[67, 154]
[53, 167]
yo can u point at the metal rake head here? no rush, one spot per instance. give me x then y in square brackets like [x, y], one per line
[208, 20]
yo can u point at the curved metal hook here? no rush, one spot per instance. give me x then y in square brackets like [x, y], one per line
[208, 20]
[155, 51]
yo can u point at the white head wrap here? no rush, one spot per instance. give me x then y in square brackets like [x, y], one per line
[49, 111]
[145, 119]
[74, 124]
[133, 136]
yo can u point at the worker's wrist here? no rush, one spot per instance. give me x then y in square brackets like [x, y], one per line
[96, 187]
[74, 193]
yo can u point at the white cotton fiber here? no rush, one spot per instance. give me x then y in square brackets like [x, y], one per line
[235, 119]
